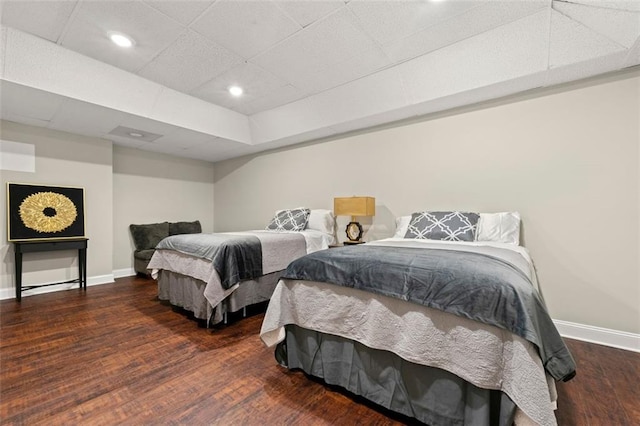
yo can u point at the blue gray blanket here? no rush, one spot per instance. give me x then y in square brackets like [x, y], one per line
[473, 285]
[235, 257]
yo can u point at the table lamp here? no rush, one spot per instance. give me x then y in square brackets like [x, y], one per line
[354, 206]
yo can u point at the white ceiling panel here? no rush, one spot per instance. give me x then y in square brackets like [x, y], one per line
[256, 82]
[620, 26]
[630, 5]
[319, 46]
[388, 21]
[367, 96]
[584, 69]
[151, 30]
[32, 61]
[184, 138]
[505, 53]
[307, 12]
[25, 120]
[633, 56]
[3, 48]
[309, 68]
[572, 42]
[293, 118]
[485, 17]
[28, 102]
[182, 11]
[213, 151]
[189, 62]
[255, 25]
[46, 19]
[163, 149]
[85, 118]
[282, 96]
[128, 142]
[147, 126]
[359, 65]
[186, 111]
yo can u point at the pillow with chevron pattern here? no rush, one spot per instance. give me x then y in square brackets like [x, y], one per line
[289, 220]
[446, 226]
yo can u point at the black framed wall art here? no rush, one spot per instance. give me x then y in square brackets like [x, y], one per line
[44, 212]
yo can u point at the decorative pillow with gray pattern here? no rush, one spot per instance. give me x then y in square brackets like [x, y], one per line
[289, 220]
[447, 226]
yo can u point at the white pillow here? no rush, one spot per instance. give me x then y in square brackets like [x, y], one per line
[323, 221]
[402, 223]
[499, 227]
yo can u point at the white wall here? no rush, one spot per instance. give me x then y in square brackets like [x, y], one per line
[149, 188]
[567, 159]
[62, 159]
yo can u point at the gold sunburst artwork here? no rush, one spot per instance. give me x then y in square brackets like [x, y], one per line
[47, 212]
[42, 212]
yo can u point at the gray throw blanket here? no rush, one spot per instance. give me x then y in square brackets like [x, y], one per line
[235, 257]
[468, 284]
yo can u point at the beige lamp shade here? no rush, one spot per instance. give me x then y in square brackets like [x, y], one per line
[354, 206]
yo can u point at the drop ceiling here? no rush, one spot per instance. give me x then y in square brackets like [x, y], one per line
[309, 68]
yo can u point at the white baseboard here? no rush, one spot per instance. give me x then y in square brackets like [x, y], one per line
[601, 336]
[127, 272]
[10, 293]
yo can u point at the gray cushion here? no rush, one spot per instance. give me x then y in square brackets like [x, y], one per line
[148, 236]
[290, 220]
[448, 226]
[176, 228]
[144, 254]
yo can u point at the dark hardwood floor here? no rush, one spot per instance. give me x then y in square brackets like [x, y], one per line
[115, 355]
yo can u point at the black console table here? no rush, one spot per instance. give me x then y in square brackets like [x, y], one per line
[21, 247]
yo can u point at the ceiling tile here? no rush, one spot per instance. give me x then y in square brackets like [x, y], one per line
[486, 16]
[185, 138]
[245, 27]
[633, 56]
[293, 118]
[128, 142]
[256, 82]
[282, 96]
[630, 5]
[28, 102]
[585, 68]
[333, 40]
[182, 11]
[361, 64]
[45, 19]
[505, 53]
[307, 12]
[572, 42]
[33, 61]
[621, 26]
[212, 150]
[387, 21]
[192, 113]
[3, 48]
[25, 120]
[151, 30]
[374, 94]
[85, 118]
[189, 62]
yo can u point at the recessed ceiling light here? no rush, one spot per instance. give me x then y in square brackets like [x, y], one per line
[236, 90]
[136, 134]
[121, 40]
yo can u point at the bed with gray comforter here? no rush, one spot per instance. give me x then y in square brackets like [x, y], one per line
[448, 333]
[212, 274]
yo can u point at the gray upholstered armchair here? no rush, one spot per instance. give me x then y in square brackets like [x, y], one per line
[146, 238]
